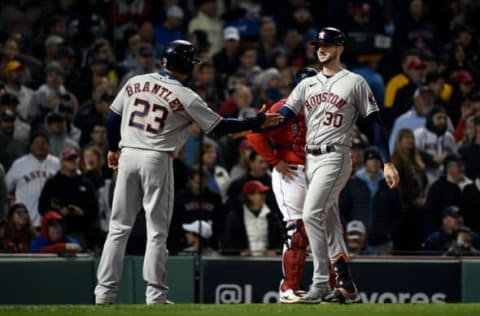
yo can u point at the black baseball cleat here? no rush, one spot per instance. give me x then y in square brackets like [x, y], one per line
[340, 296]
[346, 291]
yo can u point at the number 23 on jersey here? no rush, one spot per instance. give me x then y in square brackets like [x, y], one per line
[142, 118]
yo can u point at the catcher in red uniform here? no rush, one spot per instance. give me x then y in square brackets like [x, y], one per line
[284, 148]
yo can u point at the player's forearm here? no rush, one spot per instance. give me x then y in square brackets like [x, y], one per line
[287, 114]
[113, 130]
[379, 138]
[232, 125]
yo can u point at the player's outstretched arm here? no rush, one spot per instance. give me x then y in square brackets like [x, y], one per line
[262, 120]
[377, 132]
[286, 113]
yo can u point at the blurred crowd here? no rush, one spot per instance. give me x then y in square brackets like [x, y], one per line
[62, 62]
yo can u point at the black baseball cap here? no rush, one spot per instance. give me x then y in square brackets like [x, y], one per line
[9, 99]
[38, 133]
[54, 117]
[452, 211]
[451, 158]
[371, 153]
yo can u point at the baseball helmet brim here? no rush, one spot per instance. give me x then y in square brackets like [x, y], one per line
[317, 43]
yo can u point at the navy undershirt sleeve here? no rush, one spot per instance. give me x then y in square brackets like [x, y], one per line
[377, 132]
[233, 125]
[113, 130]
[287, 113]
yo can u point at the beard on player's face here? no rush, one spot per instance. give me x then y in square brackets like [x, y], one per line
[327, 54]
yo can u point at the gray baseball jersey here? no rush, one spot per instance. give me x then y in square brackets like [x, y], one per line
[332, 105]
[159, 111]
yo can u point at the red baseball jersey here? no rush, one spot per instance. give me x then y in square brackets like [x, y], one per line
[286, 143]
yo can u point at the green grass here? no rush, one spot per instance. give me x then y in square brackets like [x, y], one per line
[245, 310]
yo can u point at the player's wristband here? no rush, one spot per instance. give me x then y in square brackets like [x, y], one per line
[256, 121]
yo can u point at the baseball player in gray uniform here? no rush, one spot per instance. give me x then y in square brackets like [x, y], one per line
[149, 121]
[332, 100]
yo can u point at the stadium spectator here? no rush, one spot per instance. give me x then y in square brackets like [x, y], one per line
[98, 136]
[463, 87]
[170, 29]
[452, 188]
[414, 29]
[73, 196]
[249, 64]
[195, 201]
[92, 163]
[41, 102]
[434, 141]
[356, 239]
[191, 147]
[416, 116]
[66, 109]
[251, 228]
[94, 111]
[356, 152]
[130, 60]
[411, 74]
[198, 235]
[28, 174]
[147, 36]
[74, 82]
[461, 243]
[52, 237]
[240, 101]
[123, 14]
[217, 177]
[439, 241]
[404, 96]
[206, 85]
[59, 140]
[241, 166]
[14, 84]
[268, 42]
[412, 170]
[19, 230]
[145, 63]
[367, 198]
[257, 170]
[208, 21]
[11, 148]
[226, 61]
[51, 46]
[470, 152]
[368, 68]
[21, 131]
[469, 109]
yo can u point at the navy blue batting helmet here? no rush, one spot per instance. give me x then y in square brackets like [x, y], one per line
[329, 35]
[179, 56]
[304, 73]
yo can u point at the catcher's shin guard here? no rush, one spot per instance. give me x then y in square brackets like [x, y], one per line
[294, 255]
